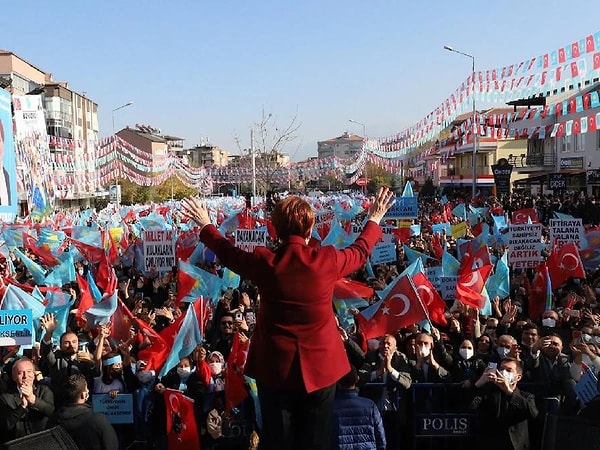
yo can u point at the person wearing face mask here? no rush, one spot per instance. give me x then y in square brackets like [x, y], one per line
[467, 366]
[503, 409]
[506, 346]
[426, 369]
[216, 363]
[88, 429]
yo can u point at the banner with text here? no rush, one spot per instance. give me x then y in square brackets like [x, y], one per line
[524, 245]
[563, 231]
[383, 254]
[404, 208]
[250, 239]
[16, 327]
[159, 250]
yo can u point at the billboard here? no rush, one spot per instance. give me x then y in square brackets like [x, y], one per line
[8, 174]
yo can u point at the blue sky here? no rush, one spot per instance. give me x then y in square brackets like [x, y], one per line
[208, 69]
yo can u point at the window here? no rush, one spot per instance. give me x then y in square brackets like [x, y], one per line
[565, 144]
[579, 142]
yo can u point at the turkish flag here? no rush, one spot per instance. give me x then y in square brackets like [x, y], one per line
[430, 298]
[236, 390]
[539, 292]
[523, 215]
[85, 297]
[482, 257]
[470, 285]
[92, 253]
[565, 263]
[400, 308]
[121, 321]
[43, 253]
[346, 288]
[156, 349]
[437, 246]
[181, 422]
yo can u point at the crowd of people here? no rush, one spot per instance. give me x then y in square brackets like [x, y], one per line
[508, 369]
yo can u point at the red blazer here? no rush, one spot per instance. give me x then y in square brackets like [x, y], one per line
[296, 344]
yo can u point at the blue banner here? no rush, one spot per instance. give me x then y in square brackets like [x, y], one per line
[404, 208]
[117, 410]
[16, 327]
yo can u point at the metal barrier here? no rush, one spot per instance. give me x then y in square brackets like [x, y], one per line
[440, 417]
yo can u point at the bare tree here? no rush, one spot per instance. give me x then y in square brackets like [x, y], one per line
[270, 143]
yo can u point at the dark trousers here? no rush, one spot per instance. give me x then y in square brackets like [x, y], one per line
[296, 420]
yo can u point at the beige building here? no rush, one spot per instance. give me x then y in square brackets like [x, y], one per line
[207, 155]
[71, 123]
[345, 146]
[152, 142]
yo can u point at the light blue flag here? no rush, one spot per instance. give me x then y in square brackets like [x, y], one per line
[369, 269]
[96, 294]
[337, 236]
[563, 216]
[253, 390]
[415, 230]
[413, 255]
[153, 221]
[198, 254]
[408, 190]
[343, 306]
[188, 337]
[35, 269]
[63, 273]
[52, 238]
[206, 283]
[61, 313]
[16, 299]
[450, 265]
[487, 305]
[348, 210]
[87, 235]
[230, 279]
[14, 237]
[498, 284]
[444, 200]
[230, 224]
[101, 312]
[460, 211]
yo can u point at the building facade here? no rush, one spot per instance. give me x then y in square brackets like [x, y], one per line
[345, 146]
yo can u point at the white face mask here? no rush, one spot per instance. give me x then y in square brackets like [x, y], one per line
[465, 353]
[216, 368]
[80, 272]
[424, 351]
[184, 371]
[502, 352]
[508, 375]
[549, 322]
[586, 337]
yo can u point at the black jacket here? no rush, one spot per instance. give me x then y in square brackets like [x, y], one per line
[88, 429]
[16, 421]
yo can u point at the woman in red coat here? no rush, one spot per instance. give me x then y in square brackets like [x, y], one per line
[296, 354]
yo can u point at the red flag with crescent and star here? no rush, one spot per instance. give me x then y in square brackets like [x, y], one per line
[565, 263]
[236, 390]
[470, 285]
[400, 308]
[181, 429]
[431, 299]
[524, 215]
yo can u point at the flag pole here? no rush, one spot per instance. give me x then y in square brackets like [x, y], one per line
[410, 280]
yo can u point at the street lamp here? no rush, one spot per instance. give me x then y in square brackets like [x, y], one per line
[365, 140]
[116, 109]
[474, 185]
[115, 147]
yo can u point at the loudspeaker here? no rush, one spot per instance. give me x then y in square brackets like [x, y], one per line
[53, 439]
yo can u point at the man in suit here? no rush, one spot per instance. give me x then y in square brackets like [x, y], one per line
[426, 368]
[26, 406]
[503, 409]
[296, 354]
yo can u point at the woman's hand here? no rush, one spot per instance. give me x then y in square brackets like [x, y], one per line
[381, 204]
[195, 210]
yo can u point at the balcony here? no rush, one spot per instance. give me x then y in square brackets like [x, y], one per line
[532, 162]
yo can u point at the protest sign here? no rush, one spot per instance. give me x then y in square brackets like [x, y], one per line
[16, 327]
[404, 208]
[524, 245]
[250, 239]
[159, 250]
[383, 254]
[458, 230]
[587, 387]
[563, 231]
[117, 410]
[448, 287]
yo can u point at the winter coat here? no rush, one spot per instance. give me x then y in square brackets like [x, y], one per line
[89, 429]
[357, 423]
